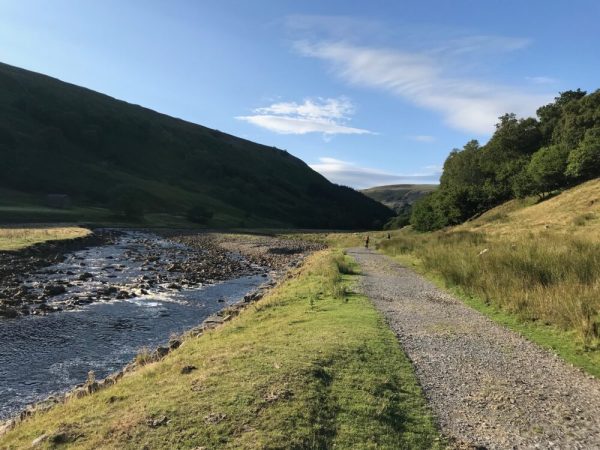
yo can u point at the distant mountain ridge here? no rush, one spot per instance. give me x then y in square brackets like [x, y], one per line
[399, 196]
[58, 138]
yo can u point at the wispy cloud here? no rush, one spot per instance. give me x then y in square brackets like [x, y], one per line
[328, 116]
[351, 174]
[542, 80]
[423, 138]
[428, 77]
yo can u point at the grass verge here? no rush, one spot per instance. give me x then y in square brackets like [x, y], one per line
[19, 238]
[311, 365]
[545, 288]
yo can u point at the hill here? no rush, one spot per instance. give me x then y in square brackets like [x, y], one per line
[99, 152]
[575, 212]
[398, 196]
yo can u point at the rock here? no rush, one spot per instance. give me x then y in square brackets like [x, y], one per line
[122, 295]
[188, 369]
[8, 312]
[85, 276]
[154, 423]
[54, 289]
[40, 439]
[161, 352]
[215, 418]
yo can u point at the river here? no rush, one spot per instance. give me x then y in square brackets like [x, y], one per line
[42, 355]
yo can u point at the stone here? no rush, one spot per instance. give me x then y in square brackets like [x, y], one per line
[54, 289]
[39, 440]
[154, 423]
[188, 369]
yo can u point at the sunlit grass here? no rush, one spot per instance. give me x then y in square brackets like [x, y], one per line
[18, 238]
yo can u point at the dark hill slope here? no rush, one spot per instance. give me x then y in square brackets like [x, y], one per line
[399, 196]
[59, 138]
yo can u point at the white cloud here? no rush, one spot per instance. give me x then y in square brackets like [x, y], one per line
[423, 138]
[328, 116]
[350, 174]
[424, 78]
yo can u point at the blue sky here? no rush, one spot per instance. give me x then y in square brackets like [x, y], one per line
[367, 93]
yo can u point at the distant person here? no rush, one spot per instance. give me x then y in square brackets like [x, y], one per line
[389, 236]
[367, 242]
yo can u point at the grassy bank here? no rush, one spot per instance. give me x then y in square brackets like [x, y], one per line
[312, 365]
[19, 238]
[544, 285]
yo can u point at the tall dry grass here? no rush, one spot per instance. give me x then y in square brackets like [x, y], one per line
[553, 278]
[17, 238]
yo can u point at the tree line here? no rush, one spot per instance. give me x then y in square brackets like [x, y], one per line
[525, 156]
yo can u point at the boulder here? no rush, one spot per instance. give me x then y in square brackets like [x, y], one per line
[54, 289]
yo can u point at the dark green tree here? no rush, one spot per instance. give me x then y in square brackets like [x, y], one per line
[584, 161]
[547, 169]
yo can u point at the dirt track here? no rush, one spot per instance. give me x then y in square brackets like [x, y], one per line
[488, 387]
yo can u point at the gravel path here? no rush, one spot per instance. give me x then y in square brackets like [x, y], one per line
[488, 387]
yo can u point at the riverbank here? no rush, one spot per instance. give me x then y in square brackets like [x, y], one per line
[310, 365]
[18, 238]
[40, 251]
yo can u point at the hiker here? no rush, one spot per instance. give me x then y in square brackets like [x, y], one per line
[389, 236]
[367, 242]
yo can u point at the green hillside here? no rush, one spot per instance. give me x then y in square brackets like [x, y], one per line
[398, 196]
[57, 138]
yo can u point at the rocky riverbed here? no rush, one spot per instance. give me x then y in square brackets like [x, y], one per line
[115, 293]
[113, 264]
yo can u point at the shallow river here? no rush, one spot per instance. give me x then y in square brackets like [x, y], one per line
[41, 355]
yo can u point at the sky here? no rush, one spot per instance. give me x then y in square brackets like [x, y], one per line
[365, 92]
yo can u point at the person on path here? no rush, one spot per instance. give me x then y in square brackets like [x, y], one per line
[367, 242]
[389, 236]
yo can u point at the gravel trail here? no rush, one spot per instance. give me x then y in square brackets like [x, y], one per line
[487, 386]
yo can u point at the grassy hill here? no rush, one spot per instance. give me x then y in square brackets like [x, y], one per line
[398, 196]
[57, 138]
[575, 212]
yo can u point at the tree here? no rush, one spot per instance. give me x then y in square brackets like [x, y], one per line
[427, 215]
[584, 161]
[547, 169]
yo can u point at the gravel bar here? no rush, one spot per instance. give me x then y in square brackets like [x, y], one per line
[488, 386]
